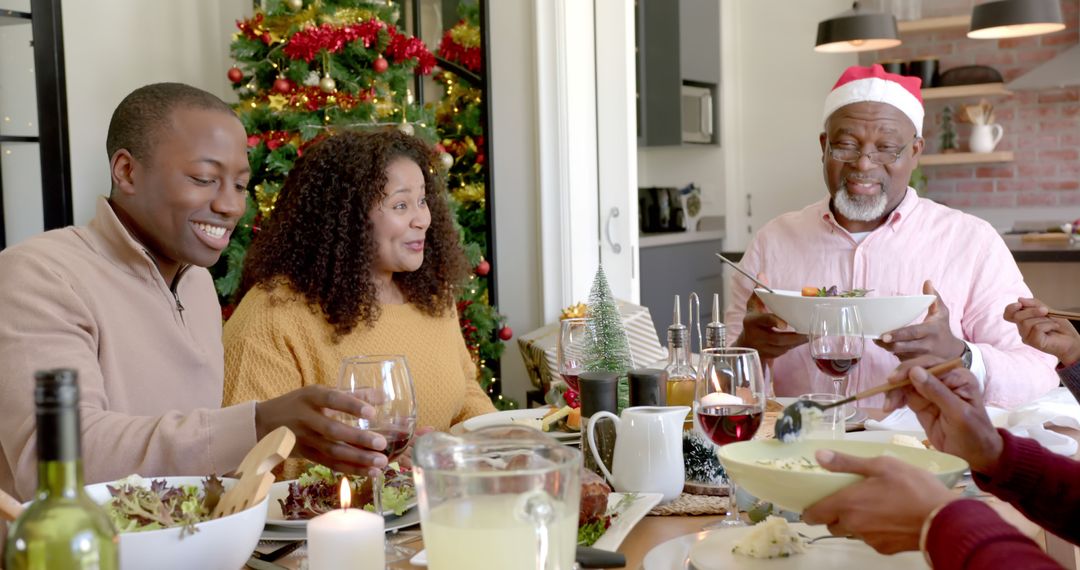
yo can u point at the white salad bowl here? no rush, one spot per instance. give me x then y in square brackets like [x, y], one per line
[879, 315]
[220, 544]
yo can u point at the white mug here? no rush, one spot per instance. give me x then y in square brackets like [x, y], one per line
[985, 137]
[648, 450]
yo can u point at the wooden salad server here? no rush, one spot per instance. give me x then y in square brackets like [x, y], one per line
[255, 472]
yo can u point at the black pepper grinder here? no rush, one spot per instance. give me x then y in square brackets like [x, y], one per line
[599, 393]
[648, 387]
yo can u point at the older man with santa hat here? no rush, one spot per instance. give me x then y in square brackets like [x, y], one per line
[874, 232]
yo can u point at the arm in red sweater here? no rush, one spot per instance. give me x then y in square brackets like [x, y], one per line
[969, 535]
[1042, 485]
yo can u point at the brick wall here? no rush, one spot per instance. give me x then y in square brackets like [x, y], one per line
[1041, 127]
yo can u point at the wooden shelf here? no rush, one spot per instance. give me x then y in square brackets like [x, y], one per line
[957, 91]
[965, 158]
[934, 24]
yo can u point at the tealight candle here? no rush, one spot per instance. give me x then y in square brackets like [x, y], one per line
[720, 399]
[346, 539]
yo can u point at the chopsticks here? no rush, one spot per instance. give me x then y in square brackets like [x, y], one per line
[1064, 315]
[10, 509]
[936, 370]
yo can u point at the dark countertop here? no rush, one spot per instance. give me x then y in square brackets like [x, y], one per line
[1023, 252]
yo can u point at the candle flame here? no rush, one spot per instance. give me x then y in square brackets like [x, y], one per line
[346, 493]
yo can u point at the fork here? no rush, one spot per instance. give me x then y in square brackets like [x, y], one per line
[810, 540]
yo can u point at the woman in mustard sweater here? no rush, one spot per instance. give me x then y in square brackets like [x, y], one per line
[360, 257]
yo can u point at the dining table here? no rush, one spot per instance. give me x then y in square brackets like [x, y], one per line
[653, 531]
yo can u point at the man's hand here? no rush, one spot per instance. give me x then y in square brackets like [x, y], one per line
[759, 330]
[1051, 335]
[310, 413]
[932, 336]
[886, 509]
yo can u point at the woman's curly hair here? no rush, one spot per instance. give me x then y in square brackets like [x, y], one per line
[320, 239]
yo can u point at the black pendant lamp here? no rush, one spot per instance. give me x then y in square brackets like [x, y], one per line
[857, 30]
[1015, 18]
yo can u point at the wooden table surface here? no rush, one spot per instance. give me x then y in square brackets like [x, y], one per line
[655, 530]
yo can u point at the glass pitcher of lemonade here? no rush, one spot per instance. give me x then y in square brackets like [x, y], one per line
[500, 497]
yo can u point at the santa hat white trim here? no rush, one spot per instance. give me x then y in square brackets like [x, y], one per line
[876, 90]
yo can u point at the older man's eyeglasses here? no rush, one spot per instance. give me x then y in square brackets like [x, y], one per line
[881, 157]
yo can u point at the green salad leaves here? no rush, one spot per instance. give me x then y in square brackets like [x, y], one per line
[136, 507]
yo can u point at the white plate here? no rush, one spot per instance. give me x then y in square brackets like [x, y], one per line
[507, 417]
[280, 490]
[675, 554]
[274, 532]
[614, 535]
[627, 519]
[714, 553]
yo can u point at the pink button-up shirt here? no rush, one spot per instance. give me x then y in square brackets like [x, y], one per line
[963, 256]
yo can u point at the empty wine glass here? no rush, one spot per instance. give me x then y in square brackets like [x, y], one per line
[836, 342]
[729, 403]
[384, 382]
[570, 350]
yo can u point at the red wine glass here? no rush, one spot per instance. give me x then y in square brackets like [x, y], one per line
[384, 382]
[836, 342]
[729, 404]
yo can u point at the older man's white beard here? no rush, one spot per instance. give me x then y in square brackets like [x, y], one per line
[860, 208]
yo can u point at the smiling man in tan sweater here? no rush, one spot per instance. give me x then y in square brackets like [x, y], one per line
[127, 302]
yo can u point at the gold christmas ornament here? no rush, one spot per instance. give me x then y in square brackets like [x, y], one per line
[471, 193]
[573, 312]
[407, 128]
[295, 5]
[277, 102]
[327, 84]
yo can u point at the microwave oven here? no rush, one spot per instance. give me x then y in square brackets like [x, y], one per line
[697, 114]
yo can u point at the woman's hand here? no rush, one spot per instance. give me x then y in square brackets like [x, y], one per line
[321, 438]
[1049, 334]
[886, 509]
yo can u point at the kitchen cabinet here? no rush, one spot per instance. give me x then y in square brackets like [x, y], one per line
[678, 44]
[680, 264]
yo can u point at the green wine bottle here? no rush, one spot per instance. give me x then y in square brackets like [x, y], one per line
[63, 529]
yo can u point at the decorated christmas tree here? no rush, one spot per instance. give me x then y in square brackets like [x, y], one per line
[305, 68]
[607, 348]
[460, 127]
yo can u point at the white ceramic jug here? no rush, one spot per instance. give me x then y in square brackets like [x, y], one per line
[985, 137]
[648, 450]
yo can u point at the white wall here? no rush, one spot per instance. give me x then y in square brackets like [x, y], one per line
[774, 86]
[514, 161]
[113, 47]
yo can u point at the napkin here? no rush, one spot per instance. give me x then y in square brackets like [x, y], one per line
[1057, 408]
[904, 419]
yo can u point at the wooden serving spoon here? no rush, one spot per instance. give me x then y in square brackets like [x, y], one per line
[254, 472]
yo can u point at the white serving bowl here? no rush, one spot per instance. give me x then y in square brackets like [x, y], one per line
[879, 315]
[796, 490]
[220, 544]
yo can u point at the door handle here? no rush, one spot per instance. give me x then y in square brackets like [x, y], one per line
[612, 214]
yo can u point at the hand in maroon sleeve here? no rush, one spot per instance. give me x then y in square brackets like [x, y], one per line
[951, 411]
[886, 509]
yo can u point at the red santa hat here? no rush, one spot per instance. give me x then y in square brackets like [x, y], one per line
[872, 84]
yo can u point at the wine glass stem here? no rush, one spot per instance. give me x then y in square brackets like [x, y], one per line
[733, 501]
[376, 492]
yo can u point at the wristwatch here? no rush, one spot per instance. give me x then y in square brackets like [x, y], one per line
[966, 356]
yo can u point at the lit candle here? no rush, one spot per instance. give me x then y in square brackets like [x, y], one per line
[350, 539]
[713, 399]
